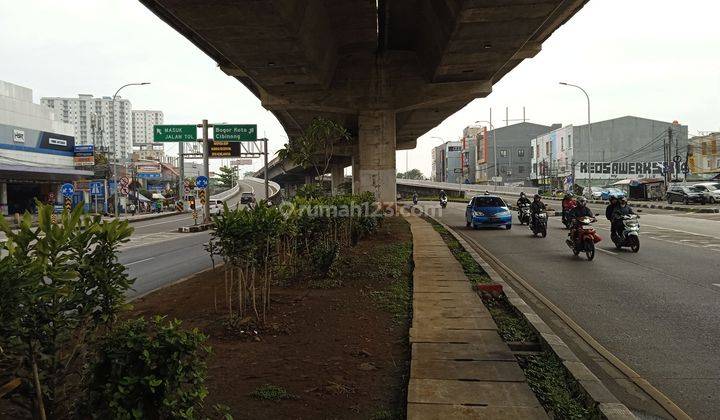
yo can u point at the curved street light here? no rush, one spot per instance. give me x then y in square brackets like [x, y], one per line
[112, 107]
[589, 133]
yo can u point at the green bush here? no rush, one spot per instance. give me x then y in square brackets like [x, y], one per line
[323, 255]
[147, 369]
[60, 285]
[265, 242]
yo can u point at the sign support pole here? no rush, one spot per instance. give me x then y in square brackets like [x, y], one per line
[206, 168]
[181, 181]
[267, 186]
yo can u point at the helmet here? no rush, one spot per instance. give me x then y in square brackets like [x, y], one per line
[568, 195]
[612, 197]
[536, 197]
[522, 194]
[582, 201]
[623, 200]
[442, 191]
[487, 192]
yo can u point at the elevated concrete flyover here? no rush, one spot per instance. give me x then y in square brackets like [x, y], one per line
[408, 186]
[388, 70]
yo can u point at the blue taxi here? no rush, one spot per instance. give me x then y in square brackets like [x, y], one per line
[488, 211]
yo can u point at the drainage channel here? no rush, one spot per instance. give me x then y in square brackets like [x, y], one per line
[642, 398]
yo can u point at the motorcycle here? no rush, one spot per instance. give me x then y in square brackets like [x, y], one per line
[630, 235]
[524, 214]
[585, 239]
[538, 224]
[443, 202]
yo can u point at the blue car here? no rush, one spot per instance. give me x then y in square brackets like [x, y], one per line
[617, 192]
[488, 211]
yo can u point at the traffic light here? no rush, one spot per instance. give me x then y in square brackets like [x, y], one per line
[192, 203]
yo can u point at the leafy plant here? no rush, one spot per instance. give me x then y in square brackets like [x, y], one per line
[147, 369]
[315, 147]
[273, 393]
[60, 285]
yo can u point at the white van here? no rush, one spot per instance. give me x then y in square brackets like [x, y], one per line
[216, 207]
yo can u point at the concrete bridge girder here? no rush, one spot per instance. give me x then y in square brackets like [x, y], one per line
[365, 63]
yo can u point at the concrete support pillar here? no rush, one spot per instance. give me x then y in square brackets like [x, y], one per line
[374, 168]
[337, 177]
[309, 179]
[356, 169]
[3, 199]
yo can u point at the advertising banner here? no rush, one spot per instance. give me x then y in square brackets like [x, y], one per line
[607, 170]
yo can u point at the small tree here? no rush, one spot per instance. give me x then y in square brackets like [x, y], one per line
[411, 174]
[226, 176]
[314, 149]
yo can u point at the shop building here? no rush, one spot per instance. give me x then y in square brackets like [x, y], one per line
[446, 162]
[36, 152]
[622, 148]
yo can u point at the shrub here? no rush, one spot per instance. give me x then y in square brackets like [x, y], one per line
[147, 370]
[323, 255]
[60, 285]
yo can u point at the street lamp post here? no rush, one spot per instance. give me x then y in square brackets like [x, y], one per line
[589, 134]
[112, 110]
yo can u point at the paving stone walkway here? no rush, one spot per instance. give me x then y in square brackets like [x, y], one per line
[460, 366]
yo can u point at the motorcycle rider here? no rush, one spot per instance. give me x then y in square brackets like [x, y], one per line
[536, 207]
[443, 194]
[622, 209]
[610, 210]
[580, 211]
[415, 198]
[523, 200]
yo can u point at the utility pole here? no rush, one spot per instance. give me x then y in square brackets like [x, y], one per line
[267, 185]
[206, 169]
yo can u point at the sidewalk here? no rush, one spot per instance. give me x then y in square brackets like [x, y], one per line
[460, 367]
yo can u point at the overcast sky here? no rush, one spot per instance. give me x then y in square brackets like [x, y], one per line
[658, 59]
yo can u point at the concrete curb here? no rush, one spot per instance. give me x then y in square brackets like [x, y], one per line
[153, 217]
[608, 405]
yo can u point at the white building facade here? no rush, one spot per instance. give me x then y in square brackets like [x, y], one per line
[142, 135]
[36, 151]
[101, 122]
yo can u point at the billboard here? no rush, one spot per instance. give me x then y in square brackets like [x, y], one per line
[607, 170]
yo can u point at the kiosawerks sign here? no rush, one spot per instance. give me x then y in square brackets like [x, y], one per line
[619, 169]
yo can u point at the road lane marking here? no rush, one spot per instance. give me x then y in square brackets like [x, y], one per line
[716, 284]
[162, 223]
[139, 261]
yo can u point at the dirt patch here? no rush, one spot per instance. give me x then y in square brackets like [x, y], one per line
[336, 350]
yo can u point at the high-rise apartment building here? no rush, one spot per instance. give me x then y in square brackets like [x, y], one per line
[142, 125]
[98, 121]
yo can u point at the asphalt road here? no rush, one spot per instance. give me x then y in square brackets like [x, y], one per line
[657, 310]
[158, 254]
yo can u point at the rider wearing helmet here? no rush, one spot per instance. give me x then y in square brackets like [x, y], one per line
[443, 194]
[610, 209]
[578, 212]
[622, 209]
[568, 202]
[523, 200]
[537, 206]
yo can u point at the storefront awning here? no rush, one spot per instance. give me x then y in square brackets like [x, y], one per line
[41, 173]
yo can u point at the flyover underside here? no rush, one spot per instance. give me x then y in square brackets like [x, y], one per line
[415, 61]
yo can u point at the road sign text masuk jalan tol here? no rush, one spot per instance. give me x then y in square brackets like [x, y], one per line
[174, 133]
[235, 132]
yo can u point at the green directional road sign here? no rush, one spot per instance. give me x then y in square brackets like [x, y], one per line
[174, 133]
[235, 132]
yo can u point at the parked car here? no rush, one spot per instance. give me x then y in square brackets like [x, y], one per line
[684, 194]
[216, 206]
[488, 211]
[710, 190]
[247, 198]
[616, 192]
[597, 193]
